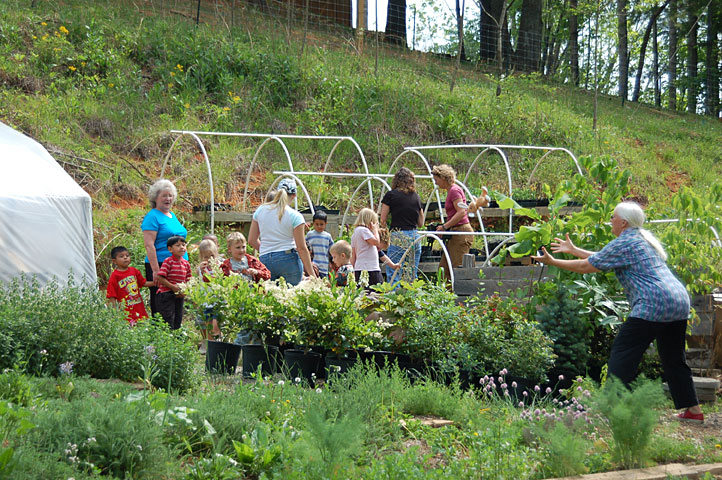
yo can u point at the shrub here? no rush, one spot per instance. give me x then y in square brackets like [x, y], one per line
[46, 327]
[560, 319]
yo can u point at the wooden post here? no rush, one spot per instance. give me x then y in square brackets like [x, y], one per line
[360, 25]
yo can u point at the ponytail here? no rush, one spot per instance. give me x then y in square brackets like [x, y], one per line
[633, 214]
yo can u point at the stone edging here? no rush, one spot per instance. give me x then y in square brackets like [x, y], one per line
[660, 472]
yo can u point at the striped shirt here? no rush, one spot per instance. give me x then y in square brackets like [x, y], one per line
[175, 271]
[320, 244]
[653, 291]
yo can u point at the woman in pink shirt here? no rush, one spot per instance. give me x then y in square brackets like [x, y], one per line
[457, 219]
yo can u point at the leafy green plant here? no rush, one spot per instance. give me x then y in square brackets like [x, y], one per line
[565, 450]
[257, 453]
[630, 416]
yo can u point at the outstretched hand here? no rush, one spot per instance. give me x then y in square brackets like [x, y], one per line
[562, 246]
[545, 258]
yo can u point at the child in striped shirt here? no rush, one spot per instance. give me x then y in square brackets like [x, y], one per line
[175, 270]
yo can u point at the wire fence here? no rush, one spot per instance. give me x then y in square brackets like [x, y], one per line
[663, 77]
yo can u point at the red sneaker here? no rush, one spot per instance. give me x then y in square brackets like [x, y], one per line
[688, 416]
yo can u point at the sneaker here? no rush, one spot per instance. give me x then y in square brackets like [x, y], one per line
[688, 416]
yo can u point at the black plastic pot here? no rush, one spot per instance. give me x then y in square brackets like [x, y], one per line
[303, 364]
[255, 356]
[337, 365]
[222, 357]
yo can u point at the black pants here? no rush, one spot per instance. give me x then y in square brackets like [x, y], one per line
[171, 308]
[634, 337]
[153, 290]
[374, 277]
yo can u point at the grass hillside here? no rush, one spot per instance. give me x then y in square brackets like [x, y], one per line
[102, 83]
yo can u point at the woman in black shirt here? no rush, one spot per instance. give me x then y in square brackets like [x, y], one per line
[404, 206]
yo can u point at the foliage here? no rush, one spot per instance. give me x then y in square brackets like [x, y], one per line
[115, 438]
[50, 326]
[566, 451]
[630, 417]
[561, 320]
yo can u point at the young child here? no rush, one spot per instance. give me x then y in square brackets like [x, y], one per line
[242, 263]
[320, 242]
[124, 285]
[341, 257]
[364, 246]
[207, 255]
[175, 270]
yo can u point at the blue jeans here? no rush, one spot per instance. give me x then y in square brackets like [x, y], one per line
[286, 264]
[400, 241]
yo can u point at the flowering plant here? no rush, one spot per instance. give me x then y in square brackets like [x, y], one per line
[328, 316]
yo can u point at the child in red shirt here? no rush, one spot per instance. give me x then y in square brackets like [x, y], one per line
[124, 285]
[175, 270]
[242, 263]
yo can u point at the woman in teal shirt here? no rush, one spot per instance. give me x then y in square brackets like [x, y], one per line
[159, 224]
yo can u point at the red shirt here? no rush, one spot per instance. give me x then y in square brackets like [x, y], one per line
[263, 272]
[175, 271]
[125, 287]
[453, 197]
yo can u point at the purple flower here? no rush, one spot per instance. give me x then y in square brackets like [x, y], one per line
[579, 388]
[537, 412]
[521, 404]
[513, 384]
[503, 386]
[549, 390]
[486, 378]
[561, 391]
[501, 380]
[149, 350]
[525, 393]
[536, 388]
[561, 377]
[66, 368]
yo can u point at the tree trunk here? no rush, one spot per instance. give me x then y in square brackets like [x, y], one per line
[396, 23]
[490, 24]
[712, 77]
[528, 50]
[623, 48]
[655, 68]
[645, 41]
[692, 59]
[672, 64]
[574, 41]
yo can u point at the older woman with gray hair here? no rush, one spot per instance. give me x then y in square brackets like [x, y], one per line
[660, 303]
[159, 224]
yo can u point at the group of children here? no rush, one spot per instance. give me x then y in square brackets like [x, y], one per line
[333, 260]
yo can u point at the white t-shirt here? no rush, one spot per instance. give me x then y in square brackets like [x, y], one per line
[367, 256]
[275, 235]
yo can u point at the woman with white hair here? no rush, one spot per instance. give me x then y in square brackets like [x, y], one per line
[659, 302]
[277, 233]
[159, 224]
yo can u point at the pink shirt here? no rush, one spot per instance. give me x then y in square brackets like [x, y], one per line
[453, 197]
[367, 256]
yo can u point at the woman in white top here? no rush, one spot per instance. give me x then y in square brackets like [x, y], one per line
[277, 233]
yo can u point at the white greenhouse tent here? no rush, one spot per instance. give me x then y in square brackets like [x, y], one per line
[46, 222]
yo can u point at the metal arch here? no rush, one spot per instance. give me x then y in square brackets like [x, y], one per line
[208, 169]
[443, 247]
[552, 150]
[428, 169]
[303, 187]
[496, 249]
[363, 161]
[508, 177]
[350, 200]
[253, 162]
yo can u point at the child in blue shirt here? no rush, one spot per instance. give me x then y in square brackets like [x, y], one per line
[320, 242]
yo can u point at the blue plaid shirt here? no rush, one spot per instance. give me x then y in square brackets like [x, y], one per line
[320, 243]
[653, 291]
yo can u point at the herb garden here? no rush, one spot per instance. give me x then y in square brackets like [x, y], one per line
[514, 380]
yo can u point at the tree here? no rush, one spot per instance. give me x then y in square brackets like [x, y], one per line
[574, 41]
[712, 73]
[645, 40]
[490, 26]
[623, 48]
[692, 57]
[528, 50]
[396, 22]
[672, 63]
